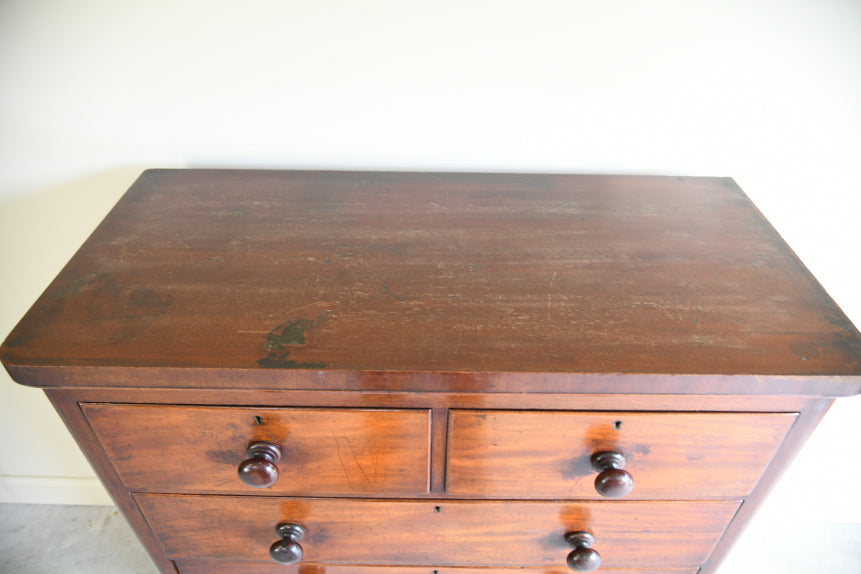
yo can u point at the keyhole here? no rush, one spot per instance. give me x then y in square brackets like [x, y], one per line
[617, 425]
[258, 420]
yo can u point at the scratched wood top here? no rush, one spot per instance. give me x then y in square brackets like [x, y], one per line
[301, 275]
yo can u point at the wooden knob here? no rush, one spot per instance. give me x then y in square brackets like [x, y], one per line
[612, 482]
[259, 469]
[287, 550]
[583, 558]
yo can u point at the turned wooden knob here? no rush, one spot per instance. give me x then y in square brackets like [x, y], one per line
[259, 469]
[287, 550]
[583, 558]
[612, 482]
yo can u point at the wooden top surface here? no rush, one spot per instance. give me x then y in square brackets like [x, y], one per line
[345, 276]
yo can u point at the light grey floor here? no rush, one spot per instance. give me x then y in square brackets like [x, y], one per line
[43, 539]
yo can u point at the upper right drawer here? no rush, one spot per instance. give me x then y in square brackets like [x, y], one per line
[525, 454]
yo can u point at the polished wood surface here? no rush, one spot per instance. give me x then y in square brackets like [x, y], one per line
[226, 567]
[294, 273]
[438, 532]
[410, 400]
[436, 373]
[66, 399]
[323, 450]
[669, 455]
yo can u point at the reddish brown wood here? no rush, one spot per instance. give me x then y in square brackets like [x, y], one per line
[455, 383]
[548, 454]
[613, 278]
[226, 567]
[439, 424]
[459, 533]
[410, 400]
[387, 313]
[324, 450]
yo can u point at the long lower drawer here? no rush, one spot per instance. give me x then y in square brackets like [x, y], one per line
[229, 567]
[437, 532]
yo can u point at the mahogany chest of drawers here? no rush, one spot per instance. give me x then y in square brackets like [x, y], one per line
[429, 373]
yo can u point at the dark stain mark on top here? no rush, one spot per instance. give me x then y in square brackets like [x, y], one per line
[284, 338]
[288, 334]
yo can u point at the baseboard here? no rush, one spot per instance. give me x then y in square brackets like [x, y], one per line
[53, 490]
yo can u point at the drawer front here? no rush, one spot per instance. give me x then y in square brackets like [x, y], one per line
[227, 567]
[668, 455]
[331, 451]
[437, 532]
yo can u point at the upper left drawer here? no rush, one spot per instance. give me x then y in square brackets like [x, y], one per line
[322, 451]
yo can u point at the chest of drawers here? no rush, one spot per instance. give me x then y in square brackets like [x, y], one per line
[427, 373]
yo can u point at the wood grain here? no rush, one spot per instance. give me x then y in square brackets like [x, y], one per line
[670, 455]
[361, 320]
[352, 272]
[323, 450]
[423, 382]
[225, 567]
[434, 533]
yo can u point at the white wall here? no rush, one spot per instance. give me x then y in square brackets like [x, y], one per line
[93, 91]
